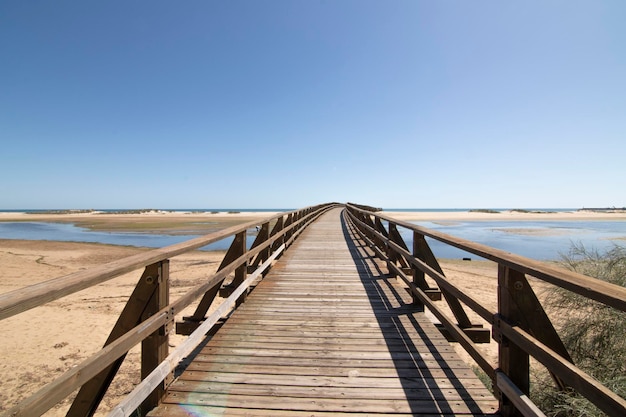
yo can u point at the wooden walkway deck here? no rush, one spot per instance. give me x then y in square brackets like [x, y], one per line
[326, 333]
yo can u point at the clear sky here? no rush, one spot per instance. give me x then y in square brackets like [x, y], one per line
[285, 104]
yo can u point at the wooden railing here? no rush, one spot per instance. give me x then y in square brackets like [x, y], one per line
[149, 315]
[520, 325]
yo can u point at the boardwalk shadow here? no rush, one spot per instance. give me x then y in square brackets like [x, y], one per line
[428, 368]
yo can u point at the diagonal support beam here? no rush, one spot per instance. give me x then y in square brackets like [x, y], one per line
[236, 249]
[90, 395]
[423, 252]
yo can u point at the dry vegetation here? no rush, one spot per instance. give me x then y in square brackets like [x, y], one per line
[594, 334]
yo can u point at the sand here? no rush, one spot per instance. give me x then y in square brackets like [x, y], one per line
[507, 216]
[42, 343]
[39, 345]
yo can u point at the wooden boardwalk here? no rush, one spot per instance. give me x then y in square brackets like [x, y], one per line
[327, 333]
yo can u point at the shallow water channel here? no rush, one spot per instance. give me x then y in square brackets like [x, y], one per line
[71, 233]
[541, 240]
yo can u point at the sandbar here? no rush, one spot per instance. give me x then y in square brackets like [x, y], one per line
[508, 215]
[170, 222]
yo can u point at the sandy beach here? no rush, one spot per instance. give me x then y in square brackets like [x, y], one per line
[41, 344]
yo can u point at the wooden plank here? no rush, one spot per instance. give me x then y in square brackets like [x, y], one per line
[352, 325]
[388, 363]
[379, 370]
[231, 339]
[175, 410]
[323, 353]
[371, 405]
[349, 381]
[269, 387]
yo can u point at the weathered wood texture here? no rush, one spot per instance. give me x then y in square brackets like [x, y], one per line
[326, 333]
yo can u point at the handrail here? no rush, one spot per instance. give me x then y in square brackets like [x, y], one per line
[23, 299]
[155, 276]
[604, 292]
[520, 320]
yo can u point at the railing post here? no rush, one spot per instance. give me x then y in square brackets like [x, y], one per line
[513, 361]
[262, 236]
[419, 277]
[288, 221]
[242, 270]
[154, 349]
[380, 228]
[368, 221]
[276, 229]
[396, 237]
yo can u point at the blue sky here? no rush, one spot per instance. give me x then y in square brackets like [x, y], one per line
[281, 104]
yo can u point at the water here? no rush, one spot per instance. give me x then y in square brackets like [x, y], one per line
[72, 233]
[541, 240]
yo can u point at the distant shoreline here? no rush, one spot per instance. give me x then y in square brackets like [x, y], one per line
[205, 211]
[205, 221]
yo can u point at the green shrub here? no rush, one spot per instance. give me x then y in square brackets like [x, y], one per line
[594, 334]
